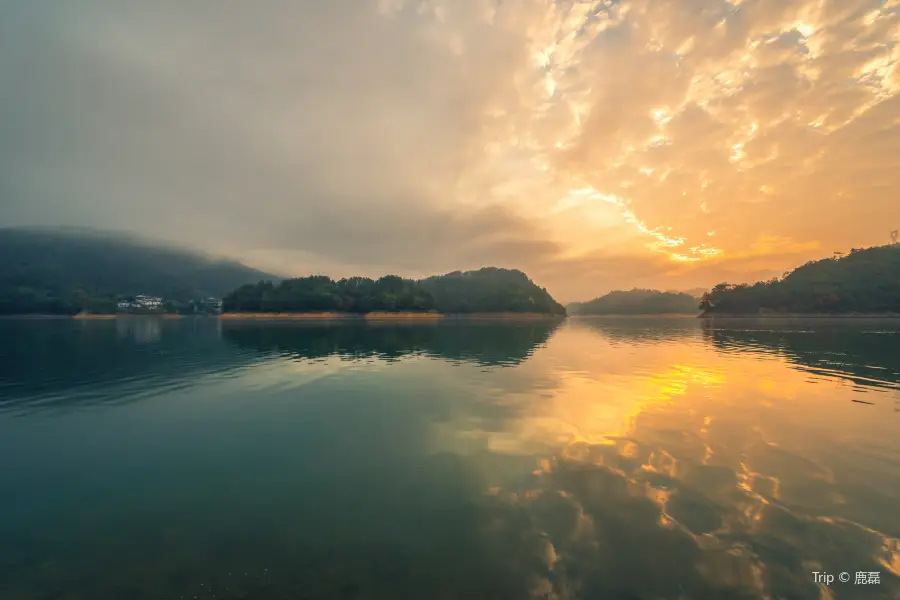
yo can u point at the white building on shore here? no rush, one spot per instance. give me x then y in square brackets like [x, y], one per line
[141, 302]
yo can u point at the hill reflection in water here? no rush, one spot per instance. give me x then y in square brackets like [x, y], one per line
[59, 363]
[599, 459]
[488, 343]
[865, 352]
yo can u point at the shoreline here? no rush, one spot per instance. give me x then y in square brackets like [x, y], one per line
[102, 317]
[381, 316]
[637, 316]
[800, 316]
[34, 317]
[91, 317]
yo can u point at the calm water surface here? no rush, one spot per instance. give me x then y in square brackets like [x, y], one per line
[591, 459]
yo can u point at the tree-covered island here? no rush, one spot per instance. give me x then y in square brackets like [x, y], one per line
[487, 290]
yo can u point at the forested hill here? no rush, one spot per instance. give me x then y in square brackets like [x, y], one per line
[638, 302]
[63, 271]
[490, 290]
[487, 290]
[864, 281]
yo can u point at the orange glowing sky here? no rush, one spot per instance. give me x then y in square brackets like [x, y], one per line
[594, 145]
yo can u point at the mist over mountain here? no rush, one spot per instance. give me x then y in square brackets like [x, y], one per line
[48, 267]
[65, 271]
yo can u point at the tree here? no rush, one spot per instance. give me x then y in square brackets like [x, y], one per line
[864, 281]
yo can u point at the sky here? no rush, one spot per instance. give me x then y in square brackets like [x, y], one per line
[594, 145]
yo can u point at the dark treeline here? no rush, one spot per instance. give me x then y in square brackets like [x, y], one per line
[486, 290]
[864, 281]
[29, 299]
[321, 293]
[638, 302]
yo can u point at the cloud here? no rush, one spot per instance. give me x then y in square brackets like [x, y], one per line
[328, 130]
[429, 136]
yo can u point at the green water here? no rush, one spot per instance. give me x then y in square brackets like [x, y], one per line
[595, 459]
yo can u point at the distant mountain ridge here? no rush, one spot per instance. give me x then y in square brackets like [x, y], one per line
[55, 270]
[65, 271]
[638, 302]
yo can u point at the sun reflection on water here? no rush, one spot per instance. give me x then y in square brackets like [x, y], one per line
[730, 450]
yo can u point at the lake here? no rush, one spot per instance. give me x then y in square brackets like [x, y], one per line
[617, 458]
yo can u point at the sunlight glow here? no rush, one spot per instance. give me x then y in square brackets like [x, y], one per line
[805, 29]
[662, 241]
[871, 17]
[750, 102]
[661, 115]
